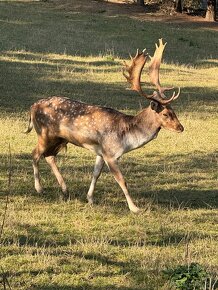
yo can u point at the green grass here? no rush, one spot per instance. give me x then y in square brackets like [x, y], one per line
[48, 244]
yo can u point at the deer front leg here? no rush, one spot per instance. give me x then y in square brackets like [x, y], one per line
[51, 161]
[96, 173]
[113, 166]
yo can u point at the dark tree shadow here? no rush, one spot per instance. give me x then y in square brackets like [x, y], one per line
[14, 87]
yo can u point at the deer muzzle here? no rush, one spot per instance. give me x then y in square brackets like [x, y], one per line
[180, 128]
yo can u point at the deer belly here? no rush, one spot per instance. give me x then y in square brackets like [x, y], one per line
[82, 138]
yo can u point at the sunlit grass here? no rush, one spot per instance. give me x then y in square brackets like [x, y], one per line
[48, 244]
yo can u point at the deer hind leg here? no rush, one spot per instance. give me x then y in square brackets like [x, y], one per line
[37, 154]
[113, 166]
[52, 149]
[48, 149]
[51, 161]
[96, 173]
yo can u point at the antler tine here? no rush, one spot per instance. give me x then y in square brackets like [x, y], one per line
[157, 97]
[137, 53]
[177, 95]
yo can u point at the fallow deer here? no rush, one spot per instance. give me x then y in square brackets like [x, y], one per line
[105, 131]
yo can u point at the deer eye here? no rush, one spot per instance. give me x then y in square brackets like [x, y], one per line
[165, 115]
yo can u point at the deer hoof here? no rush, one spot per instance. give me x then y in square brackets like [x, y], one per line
[39, 189]
[90, 200]
[135, 209]
[65, 196]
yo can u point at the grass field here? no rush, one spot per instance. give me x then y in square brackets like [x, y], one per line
[47, 49]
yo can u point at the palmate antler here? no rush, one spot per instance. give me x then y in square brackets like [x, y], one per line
[135, 69]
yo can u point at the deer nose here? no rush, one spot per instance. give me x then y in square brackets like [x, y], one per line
[180, 128]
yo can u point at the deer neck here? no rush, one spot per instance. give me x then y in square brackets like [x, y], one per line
[144, 129]
[147, 122]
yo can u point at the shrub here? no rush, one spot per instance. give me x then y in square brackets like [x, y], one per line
[188, 277]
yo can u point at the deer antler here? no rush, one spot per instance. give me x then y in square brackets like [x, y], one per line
[135, 69]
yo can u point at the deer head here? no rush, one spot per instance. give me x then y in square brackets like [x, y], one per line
[164, 114]
[166, 117]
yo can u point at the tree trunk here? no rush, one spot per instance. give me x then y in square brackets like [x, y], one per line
[211, 10]
[178, 6]
[140, 2]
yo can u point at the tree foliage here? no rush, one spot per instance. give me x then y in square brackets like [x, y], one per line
[195, 4]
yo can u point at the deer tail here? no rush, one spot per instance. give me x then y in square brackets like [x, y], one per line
[30, 125]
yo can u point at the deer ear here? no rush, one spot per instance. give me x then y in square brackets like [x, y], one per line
[154, 105]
